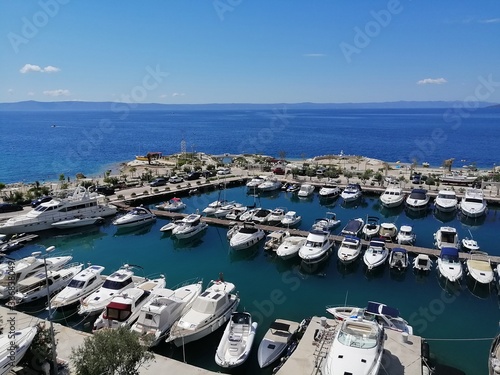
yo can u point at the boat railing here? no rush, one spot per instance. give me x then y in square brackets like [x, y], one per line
[194, 280]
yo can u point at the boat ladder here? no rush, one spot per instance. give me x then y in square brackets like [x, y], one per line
[325, 339]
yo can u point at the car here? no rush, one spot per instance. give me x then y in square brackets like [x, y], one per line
[105, 190]
[175, 179]
[279, 171]
[35, 203]
[224, 171]
[160, 181]
[207, 174]
[193, 176]
[10, 207]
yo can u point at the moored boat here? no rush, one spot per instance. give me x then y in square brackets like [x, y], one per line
[290, 247]
[353, 227]
[478, 267]
[422, 262]
[473, 203]
[275, 341]
[13, 346]
[376, 254]
[392, 196]
[173, 205]
[446, 201]
[246, 236]
[316, 248]
[398, 259]
[77, 222]
[136, 217]
[405, 235]
[349, 249]
[449, 265]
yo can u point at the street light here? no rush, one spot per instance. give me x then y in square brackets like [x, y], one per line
[52, 336]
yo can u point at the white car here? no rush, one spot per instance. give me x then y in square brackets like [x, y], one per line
[223, 171]
[175, 179]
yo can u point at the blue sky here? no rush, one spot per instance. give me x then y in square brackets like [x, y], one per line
[233, 51]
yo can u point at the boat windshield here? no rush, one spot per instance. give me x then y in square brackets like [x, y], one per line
[116, 285]
[79, 284]
[357, 335]
[473, 200]
[447, 196]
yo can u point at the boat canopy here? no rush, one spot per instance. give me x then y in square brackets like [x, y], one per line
[381, 309]
[449, 253]
[418, 194]
[399, 250]
[352, 239]
[277, 326]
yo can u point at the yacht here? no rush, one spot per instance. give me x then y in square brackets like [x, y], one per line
[449, 265]
[81, 204]
[261, 216]
[353, 227]
[290, 247]
[351, 193]
[279, 335]
[446, 237]
[136, 217]
[417, 200]
[329, 191]
[478, 267]
[175, 204]
[169, 227]
[226, 208]
[392, 197]
[78, 222]
[371, 228]
[328, 223]
[376, 254]
[270, 184]
[472, 205]
[469, 244]
[388, 231]
[305, 190]
[291, 219]
[405, 235]
[214, 206]
[248, 214]
[349, 249]
[246, 236]
[210, 310]
[165, 307]
[398, 259]
[276, 215]
[191, 226]
[446, 201]
[255, 182]
[317, 247]
[20, 340]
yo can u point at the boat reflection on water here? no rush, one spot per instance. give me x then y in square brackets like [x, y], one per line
[186, 243]
[247, 254]
[348, 268]
[417, 214]
[388, 212]
[445, 217]
[134, 231]
[481, 291]
[472, 221]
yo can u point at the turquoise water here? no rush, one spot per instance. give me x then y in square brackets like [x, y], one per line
[271, 288]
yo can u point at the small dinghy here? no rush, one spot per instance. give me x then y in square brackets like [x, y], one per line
[398, 259]
[275, 341]
[422, 263]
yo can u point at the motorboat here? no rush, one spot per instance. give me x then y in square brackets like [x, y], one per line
[166, 306]
[349, 249]
[392, 197]
[422, 262]
[293, 188]
[275, 239]
[234, 227]
[446, 237]
[277, 215]
[169, 227]
[223, 210]
[210, 310]
[371, 228]
[246, 236]
[237, 340]
[328, 223]
[456, 178]
[469, 244]
[388, 231]
[214, 206]
[78, 222]
[472, 205]
[317, 247]
[261, 216]
[417, 200]
[236, 212]
[82, 203]
[125, 307]
[13, 346]
[449, 265]
[136, 217]
[357, 348]
[175, 204]
[290, 247]
[305, 191]
[329, 191]
[353, 227]
[248, 214]
[446, 201]
[376, 254]
[114, 284]
[351, 193]
[191, 226]
[478, 267]
[494, 357]
[405, 235]
[270, 184]
[291, 219]
[279, 335]
[255, 182]
[83, 284]
[398, 259]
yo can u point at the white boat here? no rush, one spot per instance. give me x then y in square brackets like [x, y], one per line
[405, 235]
[277, 215]
[214, 206]
[173, 205]
[494, 357]
[469, 244]
[223, 210]
[275, 239]
[77, 222]
[449, 265]
[417, 200]
[255, 182]
[246, 236]
[388, 231]
[349, 249]
[478, 267]
[456, 178]
[291, 219]
[293, 188]
[191, 226]
[237, 340]
[376, 254]
[472, 205]
[446, 237]
[371, 228]
[351, 193]
[165, 307]
[317, 247]
[81, 203]
[83, 284]
[269, 184]
[357, 348]
[328, 223]
[248, 214]
[169, 227]
[13, 346]
[446, 201]
[398, 259]
[329, 191]
[422, 262]
[290, 247]
[279, 335]
[393, 196]
[236, 212]
[261, 216]
[305, 191]
[353, 227]
[210, 311]
[136, 217]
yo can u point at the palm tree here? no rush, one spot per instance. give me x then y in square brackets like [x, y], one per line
[448, 163]
[133, 170]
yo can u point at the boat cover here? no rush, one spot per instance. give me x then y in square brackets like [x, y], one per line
[381, 309]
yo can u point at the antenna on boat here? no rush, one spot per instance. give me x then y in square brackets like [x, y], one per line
[345, 301]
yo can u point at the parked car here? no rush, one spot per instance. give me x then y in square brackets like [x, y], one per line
[193, 176]
[175, 179]
[207, 174]
[224, 171]
[160, 181]
[10, 207]
[105, 190]
[35, 203]
[279, 171]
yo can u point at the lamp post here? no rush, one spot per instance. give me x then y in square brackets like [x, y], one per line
[52, 336]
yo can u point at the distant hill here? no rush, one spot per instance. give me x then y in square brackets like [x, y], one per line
[107, 106]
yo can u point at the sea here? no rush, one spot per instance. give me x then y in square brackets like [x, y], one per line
[458, 321]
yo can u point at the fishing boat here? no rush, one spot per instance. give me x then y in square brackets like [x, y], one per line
[449, 265]
[349, 249]
[175, 204]
[290, 247]
[478, 267]
[371, 228]
[353, 227]
[446, 237]
[316, 248]
[275, 341]
[13, 347]
[398, 259]
[376, 254]
[275, 239]
[246, 236]
[422, 263]
[136, 217]
[406, 236]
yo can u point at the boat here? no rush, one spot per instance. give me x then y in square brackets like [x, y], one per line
[166, 306]
[175, 204]
[276, 215]
[78, 222]
[351, 193]
[327, 223]
[478, 267]
[136, 217]
[236, 212]
[456, 178]
[494, 357]
[376, 254]
[293, 188]
[82, 204]
[191, 226]
[317, 247]
[446, 201]
[349, 249]
[261, 216]
[269, 184]
[353, 227]
[290, 247]
[405, 235]
[223, 210]
[237, 340]
[125, 307]
[291, 219]
[275, 239]
[213, 206]
[398, 259]
[469, 244]
[255, 182]
[279, 335]
[371, 228]
[472, 205]
[83, 284]
[357, 348]
[246, 236]
[422, 262]
[388, 231]
[248, 214]
[329, 191]
[392, 196]
[449, 265]
[150, 156]
[169, 227]
[446, 237]
[13, 346]
[417, 200]
[305, 191]
[210, 311]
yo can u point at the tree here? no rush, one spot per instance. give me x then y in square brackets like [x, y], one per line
[112, 351]
[282, 154]
[448, 163]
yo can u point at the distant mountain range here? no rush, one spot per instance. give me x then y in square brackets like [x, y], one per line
[107, 106]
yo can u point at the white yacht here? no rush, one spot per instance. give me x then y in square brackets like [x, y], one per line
[291, 219]
[169, 227]
[376, 254]
[449, 265]
[305, 191]
[248, 214]
[446, 237]
[261, 216]
[270, 184]
[78, 222]
[80, 204]
[226, 208]
[246, 236]
[214, 206]
[328, 223]
[290, 247]
[21, 340]
[277, 215]
[329, 191]
[317, 247]
[351, 193]
[393, 196]
[191, 226]
[210, 310]
[446, 201]
[478, 267]
[398, 259]
[275, 341]
[175, 204]
[236, 212]
[371, 228]
[136, 217]
[417, 200]
[164, 309]
[405, 235]
[353, 227]
[255, 182]
[472, 205]
[349, 249]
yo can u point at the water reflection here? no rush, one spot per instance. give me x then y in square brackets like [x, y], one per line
[134, 231]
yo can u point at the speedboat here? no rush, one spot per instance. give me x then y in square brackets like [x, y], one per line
[124, 308]
[291, 219]
[169, 227]
[293, 188]
[317, 247]
[246, 236]
[83, 284]
[173, 205]
[494, 357]
[276, 215]
[248, 214]
[371, 228]
[236, 212]
[290, 247]
[13, 345]
[349, 249]
[237, 340]
[353, 227]
[255, 182]
[214, 206]
[405, 235]
[417, 200]
[376, 254]
[275, 239]
[449, 265]
[329, 191]
[398, 259]
[446, 201]
[191, 226]
[270, 184]
[351, 193]
[422, 262]
[472, 205]
[446, 237]
[392, 197]
[81, 203]
[261, 216]
[210, 310]
[388, 231]
[223, 210]
[136, 217]
[165, 307]
[469, 244]
[357, 348]
[305, 190]
[478, 267]
[77, 222]
[328, 223]
[279, 335]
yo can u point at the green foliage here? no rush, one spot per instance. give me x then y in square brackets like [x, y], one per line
[430, 181]
[111, 180]
[41, 347]
[64, 185]
[210, 167]
[2, 185]
[62, 177]
[187, 169]
[378, 176]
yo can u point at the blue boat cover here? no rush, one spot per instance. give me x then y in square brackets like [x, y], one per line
[399, 250]
[351, 239]
[381, 309]
[451, 252]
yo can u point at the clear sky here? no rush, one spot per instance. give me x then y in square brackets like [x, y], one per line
[252, 51]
